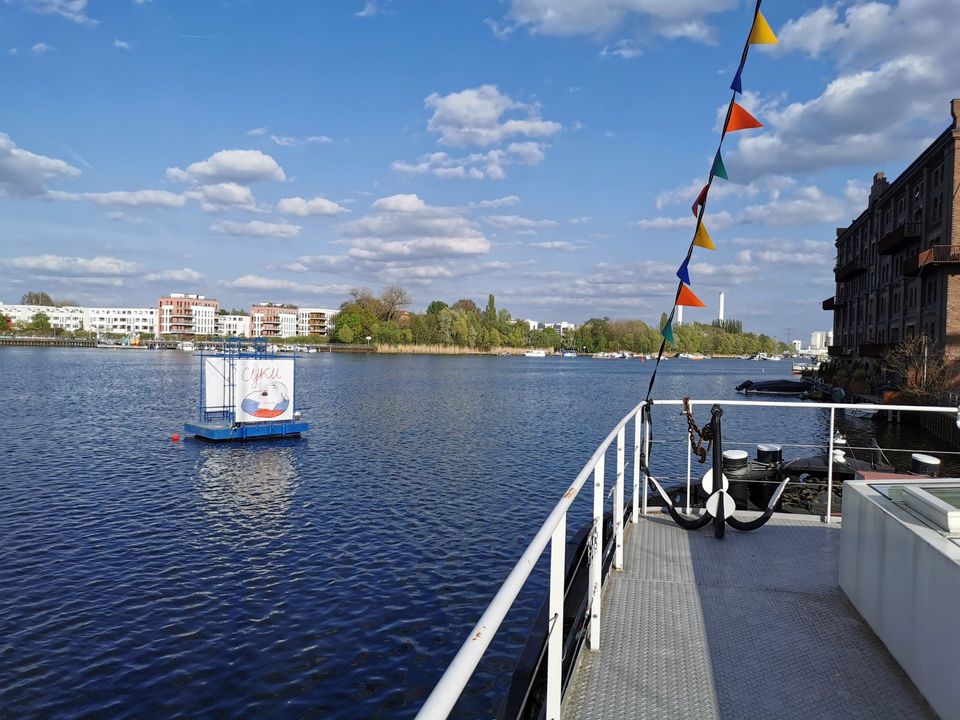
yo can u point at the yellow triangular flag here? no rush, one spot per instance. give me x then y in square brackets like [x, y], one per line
[702, 238]
[761, 34]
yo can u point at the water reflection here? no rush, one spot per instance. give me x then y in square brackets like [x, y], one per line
[250, 486]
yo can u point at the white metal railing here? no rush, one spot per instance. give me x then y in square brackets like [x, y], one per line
[553, 531]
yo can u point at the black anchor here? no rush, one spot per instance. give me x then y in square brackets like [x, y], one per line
[720, 505]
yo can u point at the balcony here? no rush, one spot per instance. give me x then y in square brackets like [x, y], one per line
[838, 351]
[896, 239]
[850, 270]
[935, 256]
[830, 303]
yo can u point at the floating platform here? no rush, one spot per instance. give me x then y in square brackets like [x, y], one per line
[219, 432]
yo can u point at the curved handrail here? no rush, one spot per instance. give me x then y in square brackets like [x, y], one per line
[446, 693]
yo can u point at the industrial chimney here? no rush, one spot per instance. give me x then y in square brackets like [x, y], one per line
[720, 316]
[679, 315]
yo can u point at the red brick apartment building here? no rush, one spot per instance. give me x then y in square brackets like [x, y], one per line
[186, 314]
[898, 264]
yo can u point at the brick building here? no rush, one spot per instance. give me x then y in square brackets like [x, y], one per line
[898, 263]
[186, 314]
[273, 320]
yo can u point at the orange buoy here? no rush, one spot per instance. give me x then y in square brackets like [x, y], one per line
[175, 438]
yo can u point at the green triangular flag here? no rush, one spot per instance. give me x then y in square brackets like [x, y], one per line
[718, 169]
[667, 331]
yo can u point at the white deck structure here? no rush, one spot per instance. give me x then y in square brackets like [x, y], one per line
[751, 627]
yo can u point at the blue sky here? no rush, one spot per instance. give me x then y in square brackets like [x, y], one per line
[547, 151]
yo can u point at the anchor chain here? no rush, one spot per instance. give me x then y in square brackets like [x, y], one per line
[697, 436]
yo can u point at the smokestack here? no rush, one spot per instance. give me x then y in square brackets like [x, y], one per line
[720, 316]
[679, 315]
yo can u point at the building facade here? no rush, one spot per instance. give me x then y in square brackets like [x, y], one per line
[314, 321]
[69, 318]
[121, 321]
[186, 314]
[898, 263]
[233, 325]
[273, 320]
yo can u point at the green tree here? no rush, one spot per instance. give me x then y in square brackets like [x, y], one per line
[40, 323]
[6, 323]
[359, 319]
[491, 314]
[345, 334]
[37, 298]
[467, 306]
[435, 307]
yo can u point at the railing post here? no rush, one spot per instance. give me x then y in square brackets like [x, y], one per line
[636, 467]
[596, 559]
[689, 472]
[558, 543]
[618, 501]
[833, 412]
[646, 462]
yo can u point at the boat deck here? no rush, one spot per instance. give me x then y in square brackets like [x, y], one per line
[753, 626]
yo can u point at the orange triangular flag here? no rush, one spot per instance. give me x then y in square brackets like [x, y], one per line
[740, 119]
[702, 238]
[688, 299]
[761, 34]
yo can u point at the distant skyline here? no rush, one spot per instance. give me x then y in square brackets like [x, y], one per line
[545, 151]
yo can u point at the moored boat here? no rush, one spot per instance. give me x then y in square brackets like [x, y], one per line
[775, 387]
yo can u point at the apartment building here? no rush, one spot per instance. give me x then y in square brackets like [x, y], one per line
[898, 263]
[273, 320]
[314, 321]
[186, 314]
[233, 325]
[69, 318]
[121, 321]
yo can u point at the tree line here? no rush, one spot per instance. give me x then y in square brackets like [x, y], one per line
[385, 319]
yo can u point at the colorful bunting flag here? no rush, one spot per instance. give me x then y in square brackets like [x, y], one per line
[736, 85]
[718, 170]
[667, 330]
[740, 119]
[701, 200]
[684, 273]
[702, 239]
[688, 299]
[761, 34]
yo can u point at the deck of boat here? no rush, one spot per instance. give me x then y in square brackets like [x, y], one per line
[753, 626]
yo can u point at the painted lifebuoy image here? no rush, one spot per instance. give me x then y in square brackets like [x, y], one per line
[268, 402]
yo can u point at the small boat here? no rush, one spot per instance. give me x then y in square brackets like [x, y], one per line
[186, 346]
[692, 356]
[535, 353]
[858, 413]
[568, 353]
[774, 387]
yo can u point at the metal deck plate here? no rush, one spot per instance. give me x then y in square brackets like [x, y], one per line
[753, 626]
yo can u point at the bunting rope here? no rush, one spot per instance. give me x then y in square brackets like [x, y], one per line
[737, 118]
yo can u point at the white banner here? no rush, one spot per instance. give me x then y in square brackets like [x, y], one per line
[264, 389]
[215, 390]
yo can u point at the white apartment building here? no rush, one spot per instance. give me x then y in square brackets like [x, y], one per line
[273, 320]
[315, 321]
[120, 321]
[70, 318]
[233, 325]
[186, 314]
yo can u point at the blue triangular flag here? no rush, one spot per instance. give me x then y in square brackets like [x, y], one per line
[735, 85]
[683, 273]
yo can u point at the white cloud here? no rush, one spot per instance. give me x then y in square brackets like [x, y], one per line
[559, 245]
[223, 196]
[69, 9]
[771, 185]
[120, 216]
[12, 51]
[238, 166]
[256, 228]
[288, 141]
[501, 31]
[400, 204]
[24, 173]
[625, 49]
[122, 44]
[711, 220]
[59, 265]
[259, 282]
[257, 131]
[41, 48]
[183, 275]
[372, 8]
[314, 206]
[515, 222]
[125, 198]
[405, 228]
[598, 17]
[475, 166]
[499, 202]
[473, 117]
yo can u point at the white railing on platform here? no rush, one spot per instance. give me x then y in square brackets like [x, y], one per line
[553, 531]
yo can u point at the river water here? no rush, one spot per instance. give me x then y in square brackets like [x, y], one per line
[332, 576]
